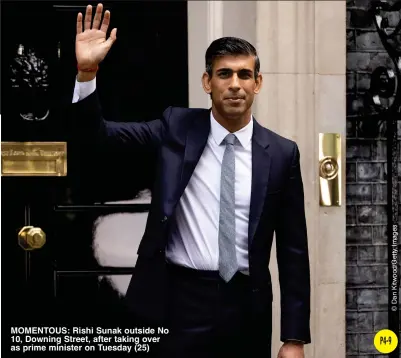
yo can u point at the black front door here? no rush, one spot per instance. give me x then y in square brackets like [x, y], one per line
[69, 241]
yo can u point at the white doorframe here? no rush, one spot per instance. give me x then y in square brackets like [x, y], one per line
[205, 24]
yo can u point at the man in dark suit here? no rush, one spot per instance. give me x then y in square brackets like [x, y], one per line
[224, 186]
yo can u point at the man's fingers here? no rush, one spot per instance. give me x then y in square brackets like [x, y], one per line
[113, 35]
[112, 38]
[98, 17]
[79, 23]
[96, 21]
[106, 21]
[88, 17]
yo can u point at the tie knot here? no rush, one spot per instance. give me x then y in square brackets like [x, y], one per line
[230, 138]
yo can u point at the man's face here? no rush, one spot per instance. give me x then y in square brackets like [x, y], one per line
[233, 85]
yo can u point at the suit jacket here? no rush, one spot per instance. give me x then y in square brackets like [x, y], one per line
[277, 206]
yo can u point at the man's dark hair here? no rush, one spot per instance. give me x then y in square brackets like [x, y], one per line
[230, 46]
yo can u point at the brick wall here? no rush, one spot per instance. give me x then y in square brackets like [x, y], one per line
[367, 288]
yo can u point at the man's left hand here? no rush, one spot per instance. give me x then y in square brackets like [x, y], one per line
[291, 350]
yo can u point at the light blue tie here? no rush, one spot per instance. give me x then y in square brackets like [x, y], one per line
[228, 265]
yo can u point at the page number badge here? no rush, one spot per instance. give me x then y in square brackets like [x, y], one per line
[385, 341]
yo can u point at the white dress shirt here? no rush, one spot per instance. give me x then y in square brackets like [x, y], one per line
[194, 238]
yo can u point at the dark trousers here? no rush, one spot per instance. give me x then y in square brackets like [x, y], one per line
[210, 318]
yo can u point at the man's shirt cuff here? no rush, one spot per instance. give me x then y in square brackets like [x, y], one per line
[83, 90]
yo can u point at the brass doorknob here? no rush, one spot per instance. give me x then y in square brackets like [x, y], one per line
[328, 168]
[31, 238]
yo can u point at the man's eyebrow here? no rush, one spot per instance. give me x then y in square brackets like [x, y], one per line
[246, 70]
[231, 70]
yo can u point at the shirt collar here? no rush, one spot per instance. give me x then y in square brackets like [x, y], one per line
[244, 135]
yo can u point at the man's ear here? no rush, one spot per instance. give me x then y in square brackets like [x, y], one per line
[206, 83]
[258, 83]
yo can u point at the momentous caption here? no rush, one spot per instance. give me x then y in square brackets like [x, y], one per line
[85, 339]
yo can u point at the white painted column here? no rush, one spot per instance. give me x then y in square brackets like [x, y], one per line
[302, 50]
[205, 24]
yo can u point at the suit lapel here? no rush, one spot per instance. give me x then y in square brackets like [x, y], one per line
[260, 176]
[197, 136]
